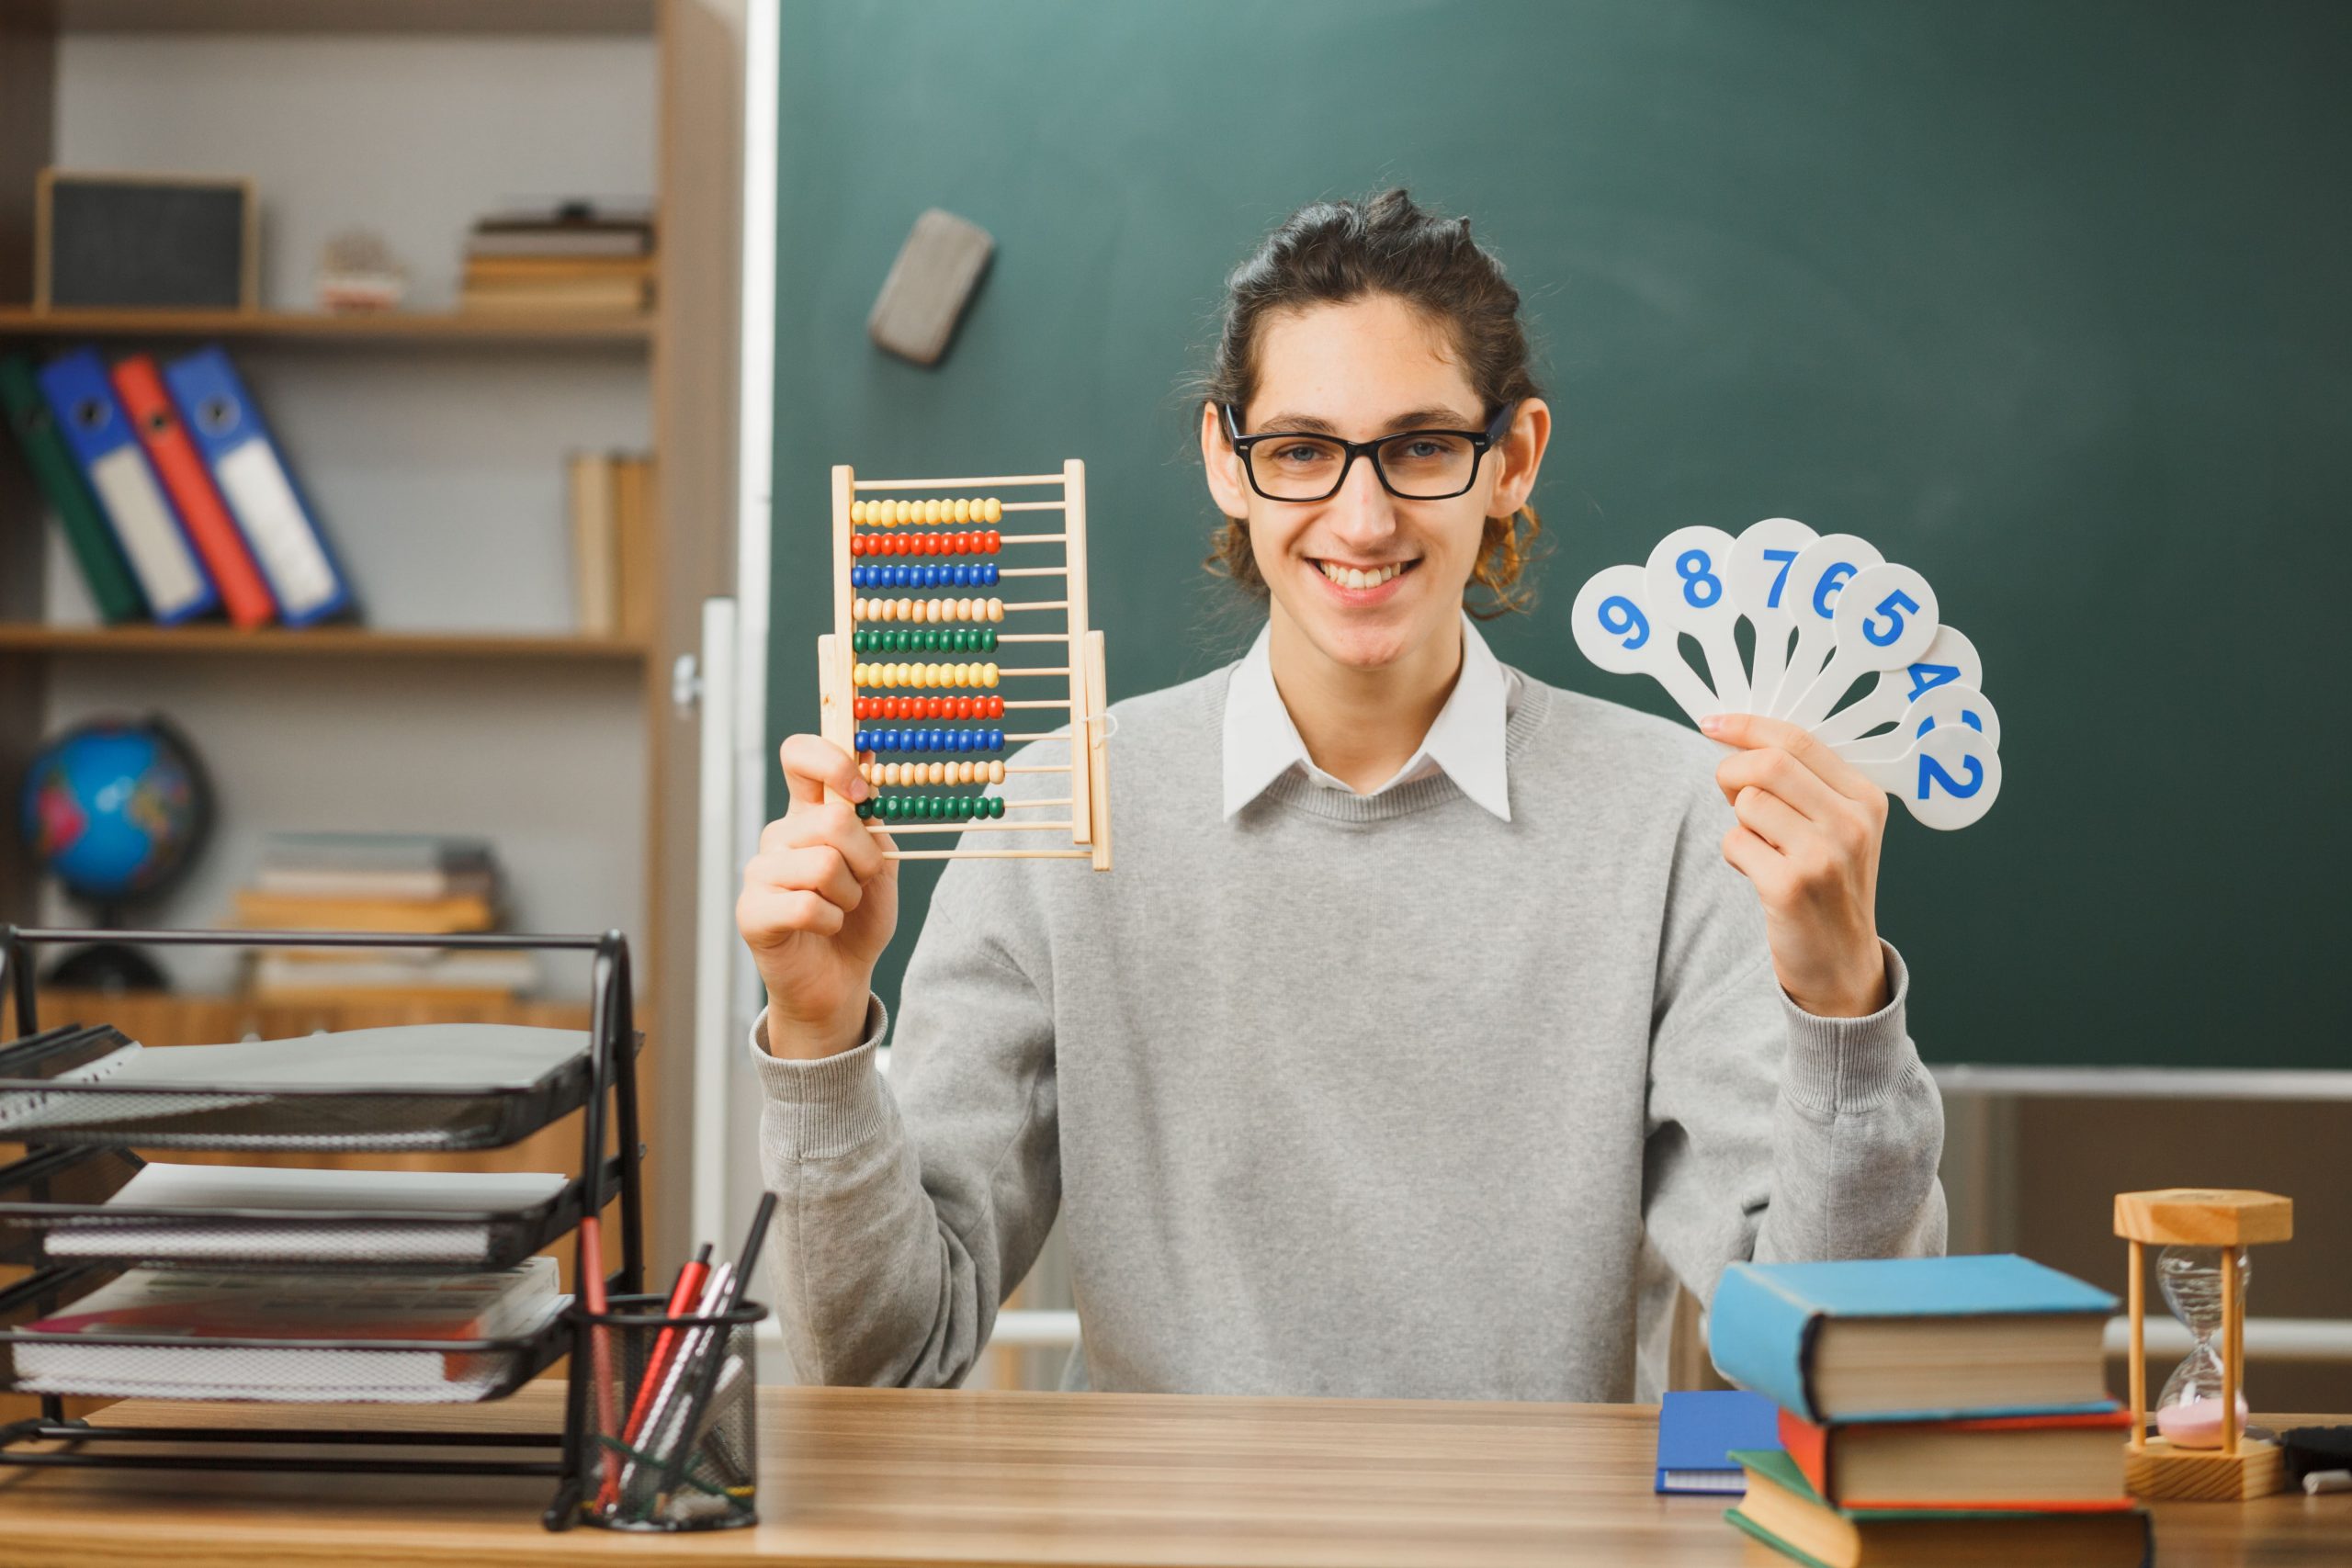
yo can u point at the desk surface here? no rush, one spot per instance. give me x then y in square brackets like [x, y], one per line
[856, 1475]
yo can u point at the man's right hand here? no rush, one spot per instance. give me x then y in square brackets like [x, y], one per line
[818, 905]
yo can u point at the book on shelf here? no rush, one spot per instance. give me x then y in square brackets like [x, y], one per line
[568, 256]
[340, 974]
[113, 590]
[69, 1352]
[611, 500]
[459, 912]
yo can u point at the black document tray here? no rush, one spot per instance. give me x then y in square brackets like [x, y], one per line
[340, 1118]
[58, 1190]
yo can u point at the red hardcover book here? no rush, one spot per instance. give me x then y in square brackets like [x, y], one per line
[2070, 1463]
[188, 482]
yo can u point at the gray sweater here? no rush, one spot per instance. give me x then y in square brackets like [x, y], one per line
[1348, 1095]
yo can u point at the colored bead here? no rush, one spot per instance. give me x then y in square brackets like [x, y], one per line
[988, 674]
[991, 511]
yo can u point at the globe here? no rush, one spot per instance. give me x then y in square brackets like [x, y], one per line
[113, 808]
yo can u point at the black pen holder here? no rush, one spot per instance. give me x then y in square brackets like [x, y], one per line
[673, 1417]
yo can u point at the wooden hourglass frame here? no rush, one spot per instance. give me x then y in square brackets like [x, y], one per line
[2232, 1220]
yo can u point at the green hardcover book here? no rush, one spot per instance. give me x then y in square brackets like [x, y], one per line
[59, 478]
[1784, 1511]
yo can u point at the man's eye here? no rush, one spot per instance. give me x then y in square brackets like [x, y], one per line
[1300, 454]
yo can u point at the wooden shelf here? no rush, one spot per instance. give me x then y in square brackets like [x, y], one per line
[626, 17]
[418, 327]
[339, 642]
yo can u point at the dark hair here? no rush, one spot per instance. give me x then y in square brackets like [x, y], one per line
[1335, 252]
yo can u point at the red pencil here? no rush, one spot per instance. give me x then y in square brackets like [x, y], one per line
[682, 1301]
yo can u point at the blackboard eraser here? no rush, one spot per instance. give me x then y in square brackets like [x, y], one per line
[933, 279]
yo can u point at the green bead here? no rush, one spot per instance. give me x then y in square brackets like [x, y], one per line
[987, 639]
[898, 642]
[931, 642]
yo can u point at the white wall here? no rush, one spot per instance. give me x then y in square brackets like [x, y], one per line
[437, 471]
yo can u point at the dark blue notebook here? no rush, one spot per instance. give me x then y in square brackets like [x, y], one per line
[1697, 1431]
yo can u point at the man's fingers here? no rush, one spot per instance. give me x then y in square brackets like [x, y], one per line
[1750, 731]
[1776, 770]
[813, 765]
[1769, 816]
[816, 868]
[1763, 865]
[828, 823]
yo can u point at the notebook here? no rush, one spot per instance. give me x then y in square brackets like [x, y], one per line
[1698, 1430]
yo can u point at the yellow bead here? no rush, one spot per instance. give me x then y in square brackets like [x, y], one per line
[857, 512]
[889, 774]
[930, 511]
[996, 773]
[988, 674]
[893, 609]
[931, 610]
[898, 510]
[963, 511]
[934, 773]
[996, 609]
[858, 607]
[995, 513]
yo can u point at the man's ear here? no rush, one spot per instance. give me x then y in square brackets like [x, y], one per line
[1520, 455]
[1222, 465]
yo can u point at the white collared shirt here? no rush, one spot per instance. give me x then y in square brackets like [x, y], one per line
[1465, 743]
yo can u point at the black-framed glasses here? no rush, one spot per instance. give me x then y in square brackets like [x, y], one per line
[1413, 465]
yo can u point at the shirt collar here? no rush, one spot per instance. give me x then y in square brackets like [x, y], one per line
[1261, 744]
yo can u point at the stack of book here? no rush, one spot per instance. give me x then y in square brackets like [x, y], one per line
[1931, 1409]
[408, 882]
[569, 257]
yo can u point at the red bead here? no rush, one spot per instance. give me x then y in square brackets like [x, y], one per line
[937, 707]
[961, 543]
[934, 543]
[860, 707]
[857, 544]
[996, 540]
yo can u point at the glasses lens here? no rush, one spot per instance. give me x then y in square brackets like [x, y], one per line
[1428, 465]
[1297, 468]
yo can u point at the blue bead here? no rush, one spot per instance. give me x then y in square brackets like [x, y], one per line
[990, 569]
[898, 741]
[963, 577]
[931, 577]
[963, 740]
[996, 739]
[940, 741]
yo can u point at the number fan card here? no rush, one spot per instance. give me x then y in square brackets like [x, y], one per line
[1841, 642]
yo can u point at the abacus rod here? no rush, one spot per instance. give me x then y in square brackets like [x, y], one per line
[1038, 604]
[988, 854]
[1034, 571]
[1038, 703]
[1032, 539]
[1031, 637]
[960, 484]
[1033, 506]
[968, 827]
[1036, 768]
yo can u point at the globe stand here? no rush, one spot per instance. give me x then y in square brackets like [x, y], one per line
[109, 967]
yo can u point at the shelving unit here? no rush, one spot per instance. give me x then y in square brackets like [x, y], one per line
[339, 695]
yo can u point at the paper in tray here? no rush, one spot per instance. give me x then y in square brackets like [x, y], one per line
[81, 1204]
[294, 1348]
[419, 1086]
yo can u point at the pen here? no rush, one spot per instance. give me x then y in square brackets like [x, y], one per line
[709, 1358]
[600, 1350]
[2320, 1481]
[682, 1298]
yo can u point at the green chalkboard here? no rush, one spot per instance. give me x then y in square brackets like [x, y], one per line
[2047, 299]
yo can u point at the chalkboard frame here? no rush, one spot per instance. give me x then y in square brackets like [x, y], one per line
[246, 283]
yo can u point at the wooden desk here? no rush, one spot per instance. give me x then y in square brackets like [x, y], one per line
[860, 1476]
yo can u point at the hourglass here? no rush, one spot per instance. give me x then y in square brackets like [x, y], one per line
[2201, 1451]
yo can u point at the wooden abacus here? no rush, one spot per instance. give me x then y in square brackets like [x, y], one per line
[886, 542]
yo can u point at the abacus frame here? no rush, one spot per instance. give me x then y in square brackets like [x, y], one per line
[1089, 800]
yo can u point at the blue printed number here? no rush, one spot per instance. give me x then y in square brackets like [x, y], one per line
[1932, 773]
[1620, 615]
[1893, 607]
[1966, 717]
[1825, 592]
[1700, 587]
[1927, 677]
[1780, 579]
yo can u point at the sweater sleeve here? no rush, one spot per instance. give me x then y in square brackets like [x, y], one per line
[907, 1210]
[1771, 1133]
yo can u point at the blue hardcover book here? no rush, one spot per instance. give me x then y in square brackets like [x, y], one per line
[1698, 1430]
[279, 525]
[1912, 1339]
[130, 497]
